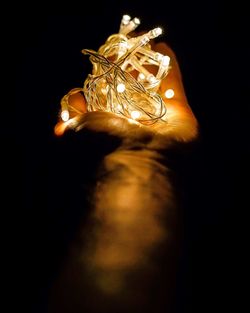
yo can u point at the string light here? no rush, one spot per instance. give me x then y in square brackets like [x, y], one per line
[66, 108]
[120, 87]
[169, 93]
[65, 115]
[135, 114]
[121, 81]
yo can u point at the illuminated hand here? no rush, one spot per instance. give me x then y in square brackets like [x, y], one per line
[178, 123]
[134, 210]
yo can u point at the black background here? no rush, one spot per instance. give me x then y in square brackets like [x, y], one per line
[210, 42]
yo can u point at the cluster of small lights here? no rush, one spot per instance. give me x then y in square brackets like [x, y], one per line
[121, 81]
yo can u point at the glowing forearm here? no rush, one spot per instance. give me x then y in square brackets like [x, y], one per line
[117, 260]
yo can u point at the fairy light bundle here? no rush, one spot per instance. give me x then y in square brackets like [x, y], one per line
[126, 76]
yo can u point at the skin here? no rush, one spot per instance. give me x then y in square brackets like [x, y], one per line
[124, 257]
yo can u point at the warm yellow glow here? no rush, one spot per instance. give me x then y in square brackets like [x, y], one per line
[123, 80]
[65, 115]
[122, 75]
[157, 31]
[131, 77]
[135, 114]
[137, 21]
[169, 93]
[130, 209]
[62, 126]
[165, 60]
[120, 88]
[126, 18]
[130, 204]
[141, 76]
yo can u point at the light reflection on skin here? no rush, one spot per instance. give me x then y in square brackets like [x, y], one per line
[134, 214]
[129, 204]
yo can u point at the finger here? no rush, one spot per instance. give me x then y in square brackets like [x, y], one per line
[105, 122]
[77, 106]
[181, 122]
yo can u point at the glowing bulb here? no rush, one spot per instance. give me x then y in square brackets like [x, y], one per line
[155, 33]
[163, 67]
[169, 93]
[165, 60]
[135, 114]
[65, 115]
[136, 21]
[120, 88]
[128, 25]
[141, 76]
[125, 19]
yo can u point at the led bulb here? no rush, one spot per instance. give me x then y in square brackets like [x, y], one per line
[120, 88]
[129, 25]
[141, 76]
[65, 115]
[165, 60]
[136, 21]
[169, 93]
[155, 33]
[125, 19]
[163, 68]
[135, 114]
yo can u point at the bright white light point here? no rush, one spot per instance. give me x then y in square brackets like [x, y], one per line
[135, 114]
[169, 93]
[165, 60]
[137, 21]
[120, 87]
[141, 76]
[157, 31]
[125, 19]
[65, 115]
